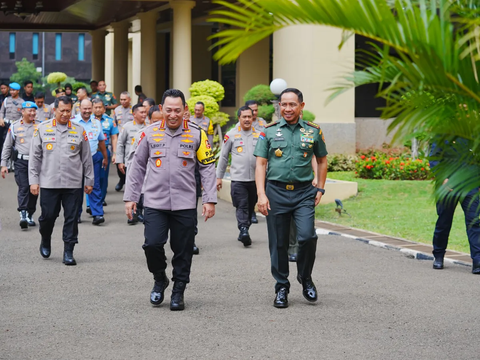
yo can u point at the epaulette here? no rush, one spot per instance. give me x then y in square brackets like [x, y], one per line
[193, 125]
[271, 124]
[316, 126]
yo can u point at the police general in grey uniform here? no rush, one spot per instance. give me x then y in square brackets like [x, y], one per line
[284, 152]
[60, 159]
[170, 151]
[240, 143]
[17, 147]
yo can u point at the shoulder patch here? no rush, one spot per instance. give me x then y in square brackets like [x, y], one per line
[316, 126]
[271, 124]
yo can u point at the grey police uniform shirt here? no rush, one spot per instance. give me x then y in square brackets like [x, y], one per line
[11, 109]
[126, 139]
[171, 160]
[123, 115]
[60, 156]
[241, 145]
[205, 124]
[20, 136]
[44, 113]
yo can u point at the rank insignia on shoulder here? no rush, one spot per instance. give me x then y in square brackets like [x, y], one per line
[271, 124]
[225, 139]
[313, 124]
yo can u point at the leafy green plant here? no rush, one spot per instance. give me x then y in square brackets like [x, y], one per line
[308, 115]
[78, 85]
[27, 71]
[340, 162]
[56, 78]
[220, 118]
[208, 87]
[260, 93]
[266, 112]
[392, 168]
[211, 106]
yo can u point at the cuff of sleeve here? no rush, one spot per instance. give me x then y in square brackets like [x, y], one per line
[209, 199]
[3, 163]
[89, 182]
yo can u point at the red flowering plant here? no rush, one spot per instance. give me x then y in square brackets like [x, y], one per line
[383, 166]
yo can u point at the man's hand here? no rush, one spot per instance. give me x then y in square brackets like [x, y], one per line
[219, 184]
[88, 189]
[35, 189]
[2, 122]
[104, 163]
[318, 197]
[121, 167]
[314, 181]
[4, 171]
[130, 209]
[263, 204]
[208, 211]
[114, 157]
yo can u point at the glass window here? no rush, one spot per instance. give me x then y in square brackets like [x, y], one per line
[58, 46]
[12, 44]
[35, 46]
[81, 47]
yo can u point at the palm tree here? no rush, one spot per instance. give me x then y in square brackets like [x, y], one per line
[425, 55]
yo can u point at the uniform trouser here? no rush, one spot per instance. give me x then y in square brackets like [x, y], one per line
[445, 213]
[293, 242]
[104, 177]
[181, 225]
[121, 176]
[285, 204]
[95, 198]
[50, 202]
[244, 198]
[26, 200]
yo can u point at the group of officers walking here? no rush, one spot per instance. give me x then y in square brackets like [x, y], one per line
[168, 163]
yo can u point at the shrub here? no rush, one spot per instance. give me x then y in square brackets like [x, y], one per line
[261, 93]
[207, 87]
[220, 118]
[78, 85]
[308, 115]
[211, 106]
[381, 166]
[340, 162]
[266, 112]
[56, 77]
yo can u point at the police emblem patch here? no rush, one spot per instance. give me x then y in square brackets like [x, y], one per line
[158, 163]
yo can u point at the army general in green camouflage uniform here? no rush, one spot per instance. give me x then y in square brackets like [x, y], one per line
[284, 151]
[109, 100]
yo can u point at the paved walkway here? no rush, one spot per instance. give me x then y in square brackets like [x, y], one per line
[373, 303]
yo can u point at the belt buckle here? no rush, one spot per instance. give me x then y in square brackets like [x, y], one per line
[290, 187]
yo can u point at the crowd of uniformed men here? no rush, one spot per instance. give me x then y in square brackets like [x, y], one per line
[165, 160]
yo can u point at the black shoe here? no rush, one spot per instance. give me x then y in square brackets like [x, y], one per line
[196, 250]
[292, 257]
[23, 220]
[97, 220]
[281, 299]
[140, 217]
[244, 237]
[309, 289]
[104, 203]
[254, 220]
[45, 248]
[68, 258]
[157, 294]
[119, 187]
[134, 220]
[438, 263]
[30, 220]
[476, 268]
[88, 211]
[176, 302]
[79, 220]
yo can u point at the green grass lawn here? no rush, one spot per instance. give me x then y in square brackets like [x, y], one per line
[403, 209]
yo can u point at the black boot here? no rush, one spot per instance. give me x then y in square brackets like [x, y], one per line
[157, 294]
[176, 302]
[68, 258]
[45, 248]
[30, 220]
[244, 236]
[23, 220]
[196, 250]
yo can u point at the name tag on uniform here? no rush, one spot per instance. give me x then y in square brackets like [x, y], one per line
[279, 139]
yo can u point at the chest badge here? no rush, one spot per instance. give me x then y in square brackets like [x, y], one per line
[240, 149]
[278, 134]
[49, 146]
[278, 153]
[158, 163]
[72, 147]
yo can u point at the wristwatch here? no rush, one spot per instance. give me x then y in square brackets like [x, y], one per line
[321, 190]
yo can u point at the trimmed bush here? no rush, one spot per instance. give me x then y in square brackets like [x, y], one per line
[220, 118]
[207, 87]
[381, 166]
[266, 112]
[340, 162]
[308, 116]
[56, 77]
[211, 106]
[261, 93]
[78, 85]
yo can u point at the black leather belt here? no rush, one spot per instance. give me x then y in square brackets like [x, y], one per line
[290, 186]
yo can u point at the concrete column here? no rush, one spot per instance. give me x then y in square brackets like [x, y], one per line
[318, 66]
[98, 54]
[182, 44]
[120, 56]
[148, 35]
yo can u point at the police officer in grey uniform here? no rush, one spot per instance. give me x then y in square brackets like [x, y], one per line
[122, 115]
[60, 159]
[170, 151]
[258, 123]
[202, 121]
[284, 152]
[17, 147]
[43, 112]
[11, 110]
[240, 143]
